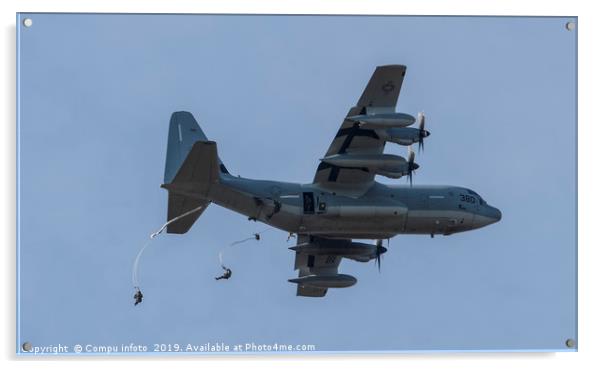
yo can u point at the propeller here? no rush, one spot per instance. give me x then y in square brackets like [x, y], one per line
[380, 249]
[422, 133]
[411, 165]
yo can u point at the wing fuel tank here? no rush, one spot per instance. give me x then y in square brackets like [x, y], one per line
[326, 281]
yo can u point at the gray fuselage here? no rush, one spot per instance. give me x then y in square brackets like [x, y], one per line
[381, 211]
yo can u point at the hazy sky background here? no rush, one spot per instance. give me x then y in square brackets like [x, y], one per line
[96, 94]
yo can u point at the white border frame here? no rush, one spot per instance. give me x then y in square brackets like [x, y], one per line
[589, 179]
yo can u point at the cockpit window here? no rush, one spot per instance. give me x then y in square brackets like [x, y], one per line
[481, 201]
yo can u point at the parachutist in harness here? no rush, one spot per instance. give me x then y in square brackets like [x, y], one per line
[227, 274]
[138, 296]
[227, 271]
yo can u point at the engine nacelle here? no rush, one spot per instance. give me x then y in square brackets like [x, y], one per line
[351, 250]
[383, 120]
[400, 136]
[387, 165]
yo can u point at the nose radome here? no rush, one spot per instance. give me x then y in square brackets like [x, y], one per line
[493, 215]
[487, 216]
[497, 214]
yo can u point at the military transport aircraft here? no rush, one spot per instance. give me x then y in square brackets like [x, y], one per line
[343, 203]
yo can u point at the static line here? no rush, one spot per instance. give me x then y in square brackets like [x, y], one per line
[135, 267]
[153, 235]
[255, 236]
[135, 281]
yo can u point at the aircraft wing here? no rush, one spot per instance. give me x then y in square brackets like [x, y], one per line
[380, 95]
[318, 265]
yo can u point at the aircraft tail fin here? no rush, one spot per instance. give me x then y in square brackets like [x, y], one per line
[191, 168]
[184, 131]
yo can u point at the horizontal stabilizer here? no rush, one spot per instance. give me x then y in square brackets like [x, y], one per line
[180, 204]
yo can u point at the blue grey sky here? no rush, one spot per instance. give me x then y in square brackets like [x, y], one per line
[96, 93]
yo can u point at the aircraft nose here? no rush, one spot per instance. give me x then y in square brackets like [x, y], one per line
[496, 214]
[492, 215]
[487, 216]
